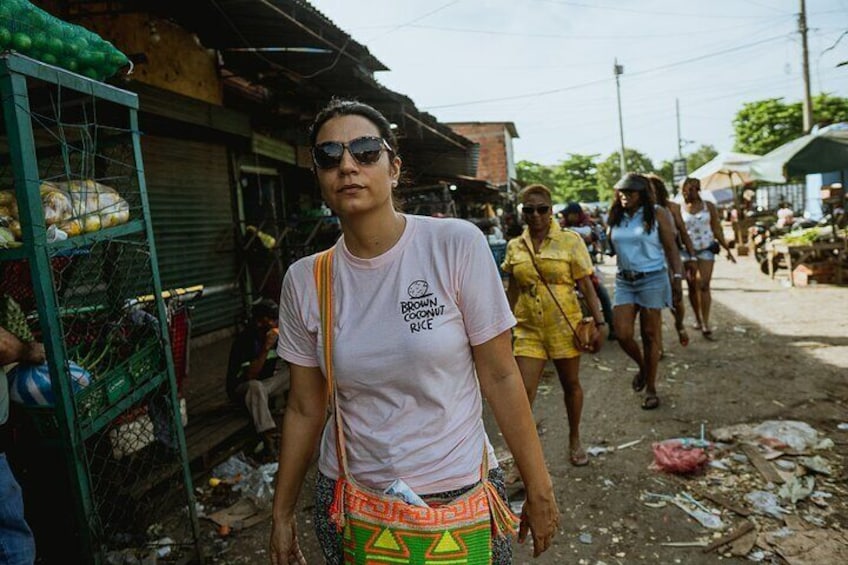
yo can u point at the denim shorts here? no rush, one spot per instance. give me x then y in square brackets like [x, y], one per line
[700, 255]
[650, 291]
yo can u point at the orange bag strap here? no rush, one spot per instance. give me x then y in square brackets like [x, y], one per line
[323, 272]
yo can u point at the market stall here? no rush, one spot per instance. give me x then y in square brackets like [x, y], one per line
[79, 272]
[817, 254]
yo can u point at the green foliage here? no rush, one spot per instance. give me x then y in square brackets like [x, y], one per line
[764, 125]
[577, 179]
[700, 157]
[609, 170]
[529, 172]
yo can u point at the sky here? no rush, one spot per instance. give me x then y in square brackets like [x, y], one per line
[547, 65]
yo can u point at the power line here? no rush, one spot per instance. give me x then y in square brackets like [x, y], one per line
[416, 19]
[537, 35]
[646, 12]
[600, 81]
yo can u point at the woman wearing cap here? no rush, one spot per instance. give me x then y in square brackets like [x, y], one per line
[642, 235]
[421, 329]
[704, 228]
[543, 265]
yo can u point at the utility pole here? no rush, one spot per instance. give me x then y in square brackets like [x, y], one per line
[618, 70]
[808, 102]
[678, 166]
[679, 139]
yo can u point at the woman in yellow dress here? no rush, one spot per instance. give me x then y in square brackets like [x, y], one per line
[542, 333]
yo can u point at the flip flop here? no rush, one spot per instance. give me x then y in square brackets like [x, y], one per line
[708, 335]
[683, 337]
[578, 457]
[639, 381]
[651, 402]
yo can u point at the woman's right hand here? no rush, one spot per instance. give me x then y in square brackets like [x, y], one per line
[284, 545]
[540, 516]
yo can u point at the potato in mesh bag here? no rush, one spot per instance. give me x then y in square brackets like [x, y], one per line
[95, 206]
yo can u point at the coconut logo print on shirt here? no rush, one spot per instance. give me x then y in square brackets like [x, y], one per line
[421, 308]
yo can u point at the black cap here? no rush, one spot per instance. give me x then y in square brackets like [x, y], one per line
[632, 181]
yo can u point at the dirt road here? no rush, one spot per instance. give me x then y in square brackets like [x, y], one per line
[781, 353]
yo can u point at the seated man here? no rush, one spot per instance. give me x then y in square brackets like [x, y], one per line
[253, 374]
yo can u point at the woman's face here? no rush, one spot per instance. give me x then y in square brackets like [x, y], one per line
[537, 212]
[691, 192]
[630, 199]
[351, 187]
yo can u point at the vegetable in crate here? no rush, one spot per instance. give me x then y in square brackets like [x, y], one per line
[30, 30]
[13, 319]
[31, 384]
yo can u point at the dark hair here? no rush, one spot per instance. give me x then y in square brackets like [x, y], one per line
[265, 308]
[690, 180]
[660, 191]
[343, 107]
[539, 189]
[648, 203]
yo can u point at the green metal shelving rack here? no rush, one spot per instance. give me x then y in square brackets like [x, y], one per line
[61, 127]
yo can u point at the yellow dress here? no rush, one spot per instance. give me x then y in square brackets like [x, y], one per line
[541, 332]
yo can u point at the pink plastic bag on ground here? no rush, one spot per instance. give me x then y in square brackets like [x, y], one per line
[672, 456]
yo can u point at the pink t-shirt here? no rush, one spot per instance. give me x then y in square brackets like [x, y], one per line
[404, 326]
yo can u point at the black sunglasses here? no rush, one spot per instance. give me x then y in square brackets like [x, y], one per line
[364, 150]
[541, 210]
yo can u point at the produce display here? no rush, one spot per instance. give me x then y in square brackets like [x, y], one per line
[73, 207]
[810, 236]
[33, 32]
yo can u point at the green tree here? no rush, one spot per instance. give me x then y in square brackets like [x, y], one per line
[609, 170]
[699, 157]
[764, 125]
[529, 172]
[577, 178]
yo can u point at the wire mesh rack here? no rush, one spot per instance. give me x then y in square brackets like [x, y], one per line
[80, 269]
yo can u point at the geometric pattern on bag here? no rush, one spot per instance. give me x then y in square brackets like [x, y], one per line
[378, 528]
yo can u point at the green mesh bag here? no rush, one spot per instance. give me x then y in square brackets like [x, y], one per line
[31, 31]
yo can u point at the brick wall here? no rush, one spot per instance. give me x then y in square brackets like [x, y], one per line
[493, 138]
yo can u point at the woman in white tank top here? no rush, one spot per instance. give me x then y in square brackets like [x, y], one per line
[703, 226]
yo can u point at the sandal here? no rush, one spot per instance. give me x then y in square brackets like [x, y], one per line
[578, 457]
[639, 381]
[683, 337]
[708, 335]
[651, 402]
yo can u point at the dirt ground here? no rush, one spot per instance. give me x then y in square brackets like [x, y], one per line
[780, 353]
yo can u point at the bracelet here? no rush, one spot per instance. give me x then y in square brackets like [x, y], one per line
[677, 276]
[600, 324]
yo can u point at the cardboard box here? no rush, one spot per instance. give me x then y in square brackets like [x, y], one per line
[806, 273]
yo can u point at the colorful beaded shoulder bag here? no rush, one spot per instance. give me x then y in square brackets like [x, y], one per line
[379, 528]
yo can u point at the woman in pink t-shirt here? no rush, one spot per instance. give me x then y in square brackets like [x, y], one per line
[421, 332]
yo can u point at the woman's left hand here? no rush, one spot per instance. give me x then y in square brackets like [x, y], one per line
[540, 516]
[598, 337]
[730, 256]
[677, 289]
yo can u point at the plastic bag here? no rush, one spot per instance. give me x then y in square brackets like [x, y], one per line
[94, 206]
[673, 456]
